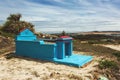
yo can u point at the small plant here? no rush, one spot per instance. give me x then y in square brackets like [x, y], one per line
[35, 74]
[74, 77]
[117, 54]
[103, 64]
[29, 79]
[10, 56]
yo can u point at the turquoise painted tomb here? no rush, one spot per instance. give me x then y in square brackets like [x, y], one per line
[27, 45]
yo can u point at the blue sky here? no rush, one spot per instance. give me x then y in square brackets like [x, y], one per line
[68, 15]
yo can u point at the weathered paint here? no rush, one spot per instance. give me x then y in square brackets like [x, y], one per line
[61, 52]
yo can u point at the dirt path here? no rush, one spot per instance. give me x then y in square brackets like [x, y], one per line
[115, 47]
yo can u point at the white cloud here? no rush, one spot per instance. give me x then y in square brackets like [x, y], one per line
[60, 1]
[85, 16]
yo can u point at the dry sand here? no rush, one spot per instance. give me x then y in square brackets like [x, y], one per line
[28, 69]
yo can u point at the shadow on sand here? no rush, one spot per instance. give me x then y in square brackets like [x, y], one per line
[12, 55]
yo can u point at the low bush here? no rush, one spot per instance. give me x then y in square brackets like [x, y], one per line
[103, 64]
[10, 56]
[117, 54]
[7, 34]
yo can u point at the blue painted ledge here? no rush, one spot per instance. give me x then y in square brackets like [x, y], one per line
[76, 60]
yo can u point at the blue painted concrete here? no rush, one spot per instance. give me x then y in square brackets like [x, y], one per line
[75, 60]
[28, 45]
[26, 35]
[35, 49]
[64, 47]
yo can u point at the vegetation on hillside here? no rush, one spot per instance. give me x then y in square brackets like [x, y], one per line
[13, 25]
[9, 29]
[84, 46]
[6, 44]
[109, 65]
[117, 54]
[98, 38]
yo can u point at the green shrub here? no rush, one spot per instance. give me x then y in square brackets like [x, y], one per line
[117, 54]
[10, 56]
[14, 24]
[103, 64]
[7, 34]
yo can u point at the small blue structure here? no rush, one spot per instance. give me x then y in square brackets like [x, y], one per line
[28, 45]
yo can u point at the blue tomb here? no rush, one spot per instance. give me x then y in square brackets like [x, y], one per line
[28, 45]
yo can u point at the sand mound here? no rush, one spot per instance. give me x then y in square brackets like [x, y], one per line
[27, 69]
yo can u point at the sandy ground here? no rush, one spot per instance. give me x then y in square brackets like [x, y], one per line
[29, 69]
[115, 47]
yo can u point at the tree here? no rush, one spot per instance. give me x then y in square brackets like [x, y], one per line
[63, 33]
[14, 24]
[14, 17]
